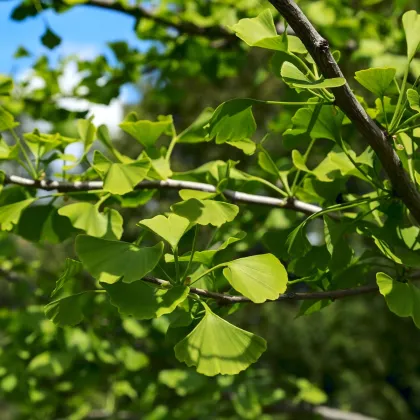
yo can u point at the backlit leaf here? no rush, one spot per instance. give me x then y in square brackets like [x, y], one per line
[259, 277]
[217, 347]
[120, 178]
[376, 80]
[10, 214]
[411, 24]
[206, 212]
[260, 32]
[170, 228]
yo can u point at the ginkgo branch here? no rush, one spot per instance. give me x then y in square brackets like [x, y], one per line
[236, 196]
[379, 140]
[231, 299]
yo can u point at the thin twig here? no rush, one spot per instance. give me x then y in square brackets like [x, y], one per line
[236, 196]
[231, 299]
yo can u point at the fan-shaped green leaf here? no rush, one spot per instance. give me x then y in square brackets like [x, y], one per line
[376, 80]
[196, 133]
[146, 132]
[398, 296]
[232, 121]
[206, 257]
[72, 268]
[7, 152]
[327, 124]
[411, 24]
[206, 212]
[107, 261]
[170, 228]
[260, 32]
[259, 277]
[143, 301]
[68, 310]
[295, 78]
[86, 216]
[7, 121]
[413, 99]
[10, 214]
[246, 145]
[297, 243]
[217, 347]
[120, 178]
[87, 133]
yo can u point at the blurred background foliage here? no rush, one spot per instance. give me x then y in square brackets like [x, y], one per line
[354, 354]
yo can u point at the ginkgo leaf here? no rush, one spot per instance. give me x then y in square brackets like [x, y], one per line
[196, 133]
[199, 195]
[170, 228]
[232, 121]
[6, 85]
[143, 301]
[206, 212]
[411, 24]
[107, 261]
[86, 216]
[87, 133]
[297, 243]
[376, 80]
[327, 124]
[206, 257]
[7, 152]
[398, 295]
[10, 214]
[120, 178]
[7, 121]
[413, 99]
[260, 32]
[146, 132]
[246, 145]
[67, 311]
[215, 347]
[259, 277]
[295, 78]
[72, 268]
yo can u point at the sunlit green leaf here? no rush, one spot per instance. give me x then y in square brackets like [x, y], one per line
[86, 216]
[411, 24]
[260, 32]
[327, 124]
[146, 132]
[10, 214]
[107, 261]
[170, 228]
[120, 178]
[206, 212]
[232, 121]
[376, 80]
[413, 99]
[7, 120]
[259, 277]
[217, 347]
[295, 78]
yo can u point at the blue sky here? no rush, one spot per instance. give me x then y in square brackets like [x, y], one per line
[83, 29]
